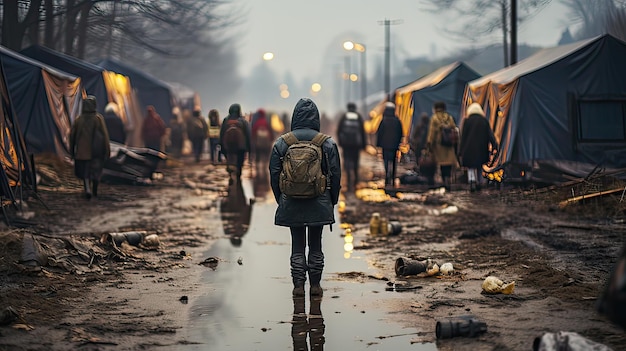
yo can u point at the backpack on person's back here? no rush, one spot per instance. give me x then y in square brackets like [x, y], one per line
[263, 137]
[234, 138]
[350, 134]
[302, 175]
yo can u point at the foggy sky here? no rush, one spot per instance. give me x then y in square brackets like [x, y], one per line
[301, 32]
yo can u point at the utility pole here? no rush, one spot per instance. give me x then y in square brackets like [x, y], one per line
[513, 32]
[387, 23]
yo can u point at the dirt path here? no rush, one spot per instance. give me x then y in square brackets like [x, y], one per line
[104, 298]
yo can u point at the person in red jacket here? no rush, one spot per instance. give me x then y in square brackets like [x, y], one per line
[153, 129]
[262, 141]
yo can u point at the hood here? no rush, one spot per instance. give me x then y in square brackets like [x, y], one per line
[234, 110]
[305, 115]
[261, 114]
[89, 104]
[475, 109]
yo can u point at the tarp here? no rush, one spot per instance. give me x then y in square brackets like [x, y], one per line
[445, 84]
[16, 169]
[564, 105]
[46, 102]
[107, 86]
[149, 90]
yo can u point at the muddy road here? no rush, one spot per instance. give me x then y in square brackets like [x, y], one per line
[218, 278]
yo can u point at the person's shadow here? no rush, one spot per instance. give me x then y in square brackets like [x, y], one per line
[311, 325]
[236, 211]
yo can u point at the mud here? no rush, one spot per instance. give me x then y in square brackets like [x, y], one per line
[133, 297]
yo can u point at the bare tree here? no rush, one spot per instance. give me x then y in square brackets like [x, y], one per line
[598, 17]
[481, 20]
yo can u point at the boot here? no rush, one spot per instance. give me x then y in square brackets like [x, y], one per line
[472, 186]
[94, 187]
[298, 273]
[87, 188]
[316, 266]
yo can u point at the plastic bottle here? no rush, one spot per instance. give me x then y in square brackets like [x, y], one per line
[375, 224]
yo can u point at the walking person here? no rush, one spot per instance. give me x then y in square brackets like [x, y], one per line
[214, 136]
[152, 129]
[177, 134]
[351, 139]
[442, 141]
[419, 135]
[197, 131]
[388, 137]
[263, 140]
[89, 146]
[306, 217]
[476, 139]
[235, 139]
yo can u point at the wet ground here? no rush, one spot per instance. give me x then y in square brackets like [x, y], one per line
[219, 277]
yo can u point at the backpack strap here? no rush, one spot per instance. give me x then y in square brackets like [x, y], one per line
[319, 139]
[290, 138]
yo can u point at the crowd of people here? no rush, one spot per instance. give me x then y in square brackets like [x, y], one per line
[301, 163]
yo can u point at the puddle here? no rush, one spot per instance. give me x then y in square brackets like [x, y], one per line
[247, 303]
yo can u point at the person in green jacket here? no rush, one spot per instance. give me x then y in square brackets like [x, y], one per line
[89, 146]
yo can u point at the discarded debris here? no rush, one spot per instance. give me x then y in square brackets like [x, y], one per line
[406, 266]
[8, 316]
[240, 261]
[576, 199]
[493, 285]
[566, 341]
[210, 262]
[446, 268]
[184, 299]
[467, 326]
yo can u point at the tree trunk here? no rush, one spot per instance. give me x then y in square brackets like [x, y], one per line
[82, 29]
[48, 39]
[12, 32]
[505, 34]
[70, 23]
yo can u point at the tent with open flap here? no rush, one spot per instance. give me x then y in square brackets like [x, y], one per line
[561, 111]
[107, 86]
[46, 101]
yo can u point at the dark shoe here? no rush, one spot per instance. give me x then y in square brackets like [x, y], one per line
[88, 196]
[298, 291]
[316, 290]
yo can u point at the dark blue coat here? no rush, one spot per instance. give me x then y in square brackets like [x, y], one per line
[319, 211]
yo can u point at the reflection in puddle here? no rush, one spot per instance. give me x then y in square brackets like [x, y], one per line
[311, 325]
[247, 304]
[236, 211]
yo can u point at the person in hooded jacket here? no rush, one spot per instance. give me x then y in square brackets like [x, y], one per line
[302, 215]
[262, 139]
[476, 137]
[88, 165]
[445, 156]
[235, 157]
[388, 138]
[152, 129]
[351, 138]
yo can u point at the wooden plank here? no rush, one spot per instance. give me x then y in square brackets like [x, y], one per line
[589, 196]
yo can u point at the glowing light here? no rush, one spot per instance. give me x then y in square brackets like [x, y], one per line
[284, 94]
[283, 87]
[268, 56]
[354, 77]
[348, 238]
[316, 87]
[348, 45]
[346, 255]
[348, 247]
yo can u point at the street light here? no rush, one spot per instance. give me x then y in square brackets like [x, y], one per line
[350, 45]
